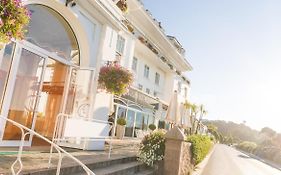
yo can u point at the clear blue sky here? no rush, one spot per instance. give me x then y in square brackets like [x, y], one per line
[234, 47]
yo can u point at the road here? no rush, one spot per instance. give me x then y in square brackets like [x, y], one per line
[228, 161]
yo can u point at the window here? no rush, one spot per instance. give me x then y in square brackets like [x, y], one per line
[185, 92]
[155, 94]
[157, 78]
[135, 64]
[44, 21]
[179, 87]
[147, 91]
[120, 45]
[111, 37]
[146, 71]
[140, 87]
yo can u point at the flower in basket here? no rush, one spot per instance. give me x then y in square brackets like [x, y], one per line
[123, 6]
[115, 79]
[14, 17]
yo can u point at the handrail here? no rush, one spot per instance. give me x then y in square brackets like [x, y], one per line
[33, 133]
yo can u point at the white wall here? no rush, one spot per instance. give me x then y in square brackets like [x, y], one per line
[181, 95]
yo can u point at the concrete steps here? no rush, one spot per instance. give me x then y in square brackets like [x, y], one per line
[113, 166]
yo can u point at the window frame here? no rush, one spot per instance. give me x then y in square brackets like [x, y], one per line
[157, 78]
[146, 71]
[135, 66]
[120, 48]
[147, 90]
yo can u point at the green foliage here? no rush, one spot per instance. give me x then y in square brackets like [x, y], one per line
[238, 132]
[152, 148]
[14, 17]
[152, 127]
[247, 146]
[115, 79]
[200, 147]
[121, 121]
[268, 132]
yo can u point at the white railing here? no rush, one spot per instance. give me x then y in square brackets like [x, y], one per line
[90, 130]
[61, 152]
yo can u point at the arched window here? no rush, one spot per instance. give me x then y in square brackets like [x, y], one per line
[50, 31]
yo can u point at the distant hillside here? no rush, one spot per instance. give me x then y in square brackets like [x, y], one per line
[238, 132]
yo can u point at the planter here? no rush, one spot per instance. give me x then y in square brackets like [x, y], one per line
[120, 131]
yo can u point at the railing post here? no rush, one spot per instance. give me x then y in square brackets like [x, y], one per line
[177, 159]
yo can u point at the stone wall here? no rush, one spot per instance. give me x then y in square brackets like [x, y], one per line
[186, 165]
[178, 156]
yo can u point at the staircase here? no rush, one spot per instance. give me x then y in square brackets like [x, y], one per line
[64, 163]
[113, 166]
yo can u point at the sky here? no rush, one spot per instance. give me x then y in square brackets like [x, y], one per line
[234, 47]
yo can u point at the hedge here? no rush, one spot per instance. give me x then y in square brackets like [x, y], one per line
[247, 146]
[200, 147]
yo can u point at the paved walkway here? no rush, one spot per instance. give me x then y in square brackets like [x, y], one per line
[37, 157]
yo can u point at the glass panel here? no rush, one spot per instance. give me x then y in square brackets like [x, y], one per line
[51, 97]
[79, 98]
[5, 65]
[130, 123]
[150, 120]
[121, 112]
[161, 124]
[139, 121]
[49, 30]
[25, 93]
[145, 122]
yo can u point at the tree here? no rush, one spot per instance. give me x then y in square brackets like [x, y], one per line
[194, 113]
[203, 112]
[268, 132]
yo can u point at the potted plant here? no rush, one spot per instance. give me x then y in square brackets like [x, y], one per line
[14, 17]
[152, 127]
[115, 79]
[142, 40]
[121, 125]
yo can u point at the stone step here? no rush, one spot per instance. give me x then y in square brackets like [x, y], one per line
[146, 172]
[93, 164]
[130, 168]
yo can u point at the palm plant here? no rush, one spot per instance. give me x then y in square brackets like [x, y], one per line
[194, 113]
[203, 112]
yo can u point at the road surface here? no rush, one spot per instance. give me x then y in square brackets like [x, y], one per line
[228, 161]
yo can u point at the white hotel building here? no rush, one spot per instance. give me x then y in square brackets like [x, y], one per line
[55, 69]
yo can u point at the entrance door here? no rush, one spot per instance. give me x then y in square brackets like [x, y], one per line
[23, 70]
[51, 99]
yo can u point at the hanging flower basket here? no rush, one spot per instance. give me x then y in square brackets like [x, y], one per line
[115, 79]
[123, 6]
[14, 17]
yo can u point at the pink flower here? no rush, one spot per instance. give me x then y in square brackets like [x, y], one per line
[1, 22]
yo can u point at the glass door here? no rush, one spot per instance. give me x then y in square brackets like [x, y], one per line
[130, 123]
[21, 91]
[77, 99]
[51, 98]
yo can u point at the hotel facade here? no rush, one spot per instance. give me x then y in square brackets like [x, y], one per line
[55, 68]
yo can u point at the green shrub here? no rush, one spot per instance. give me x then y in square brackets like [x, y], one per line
[121, 121]
[152, 148]
[200, 147]
[152, 127]
[247, 146]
